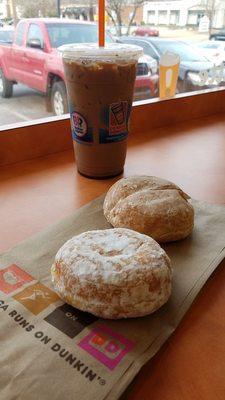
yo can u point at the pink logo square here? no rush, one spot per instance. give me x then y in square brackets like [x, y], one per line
[106, 346]
[12, 278]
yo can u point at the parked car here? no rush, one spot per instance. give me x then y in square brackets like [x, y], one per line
[33, 59]
[218, 35]
[147, 69]
[114, 30]
[214, 50]
[191, 61]
[145, 31]
[6, 34]
[150, 62]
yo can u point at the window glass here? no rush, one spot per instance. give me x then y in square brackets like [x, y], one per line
[19, 34]
[32, 83]
[34, 32]
[211, 45]
[6, 35]
[60, 34]
[184, 50]
[148, 49]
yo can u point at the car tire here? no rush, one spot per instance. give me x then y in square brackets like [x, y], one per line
[6, 86]
[59, 98]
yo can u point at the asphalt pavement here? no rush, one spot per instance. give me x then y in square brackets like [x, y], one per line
[25, 105]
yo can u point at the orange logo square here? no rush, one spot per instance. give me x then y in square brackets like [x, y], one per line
[99, 339]
[12, 278]
[36, 297]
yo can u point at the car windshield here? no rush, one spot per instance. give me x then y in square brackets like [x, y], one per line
[60, 34]
[186, 52]
[209, 45]
[6, 36]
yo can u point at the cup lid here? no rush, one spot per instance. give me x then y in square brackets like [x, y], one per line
[118, 51]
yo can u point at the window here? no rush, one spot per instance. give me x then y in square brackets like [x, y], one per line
[60, 34]
[6, 36]
[162, 18]
[151, 17]
[35, 33]
[185, 51]
[20, 34]
[147, 48]
[174, 17]
[211, 45]
[33, 80]
[194, 17]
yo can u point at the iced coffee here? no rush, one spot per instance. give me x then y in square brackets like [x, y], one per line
[100, 83]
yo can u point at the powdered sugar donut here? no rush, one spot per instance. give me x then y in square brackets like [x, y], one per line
[113, 273]
[150, 205]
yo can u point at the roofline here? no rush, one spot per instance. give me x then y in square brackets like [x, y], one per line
[59, 20]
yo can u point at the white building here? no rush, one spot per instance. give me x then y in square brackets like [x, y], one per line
[182, 12]
[3, 9]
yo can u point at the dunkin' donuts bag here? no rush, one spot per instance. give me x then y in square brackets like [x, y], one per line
[50, 350]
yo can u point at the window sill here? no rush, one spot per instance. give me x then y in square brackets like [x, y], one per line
[19, 142]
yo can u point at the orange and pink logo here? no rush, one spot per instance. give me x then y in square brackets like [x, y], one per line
[106, 346]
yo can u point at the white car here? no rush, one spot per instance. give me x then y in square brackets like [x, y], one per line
[214, 50]
[151, 62]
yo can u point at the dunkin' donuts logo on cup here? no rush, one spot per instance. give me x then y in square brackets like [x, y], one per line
[118, 117]
[106, 346]
[79, 124]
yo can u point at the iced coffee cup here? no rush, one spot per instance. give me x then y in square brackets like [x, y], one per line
[100, 84]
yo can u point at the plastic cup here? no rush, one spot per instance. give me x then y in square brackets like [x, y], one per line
[168, 74]
[100, 84]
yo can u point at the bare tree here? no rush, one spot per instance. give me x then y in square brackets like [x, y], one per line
[211, 6]
[115, 12]
[13, 11]
[90, 6]
[38, 8]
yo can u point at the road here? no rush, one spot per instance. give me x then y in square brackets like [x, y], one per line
[25, 105]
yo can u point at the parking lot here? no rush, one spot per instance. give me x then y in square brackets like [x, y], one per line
[27, 104]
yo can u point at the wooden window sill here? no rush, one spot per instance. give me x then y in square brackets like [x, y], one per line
[52, 135]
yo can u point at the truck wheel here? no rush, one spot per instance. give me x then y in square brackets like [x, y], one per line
[6, 86]
[59, 98]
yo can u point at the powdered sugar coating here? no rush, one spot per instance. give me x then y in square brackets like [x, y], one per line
[150, 205]
[113, 273]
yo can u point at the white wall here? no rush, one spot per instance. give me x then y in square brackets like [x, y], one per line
[183, 6]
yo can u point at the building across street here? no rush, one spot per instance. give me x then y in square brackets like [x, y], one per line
[183, 13]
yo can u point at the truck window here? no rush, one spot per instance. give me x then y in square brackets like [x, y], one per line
[65, 33]
[147, 48]
[34, 32]
[20, 33]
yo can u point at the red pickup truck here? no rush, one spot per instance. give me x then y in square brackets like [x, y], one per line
[33, 59]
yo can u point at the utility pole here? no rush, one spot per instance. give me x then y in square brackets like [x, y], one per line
[91, 10]
[58, 8]
[13, 11]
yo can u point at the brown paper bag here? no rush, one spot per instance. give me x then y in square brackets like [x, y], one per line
[50, 350]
